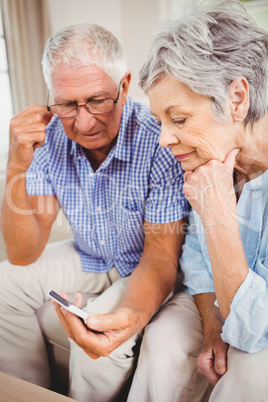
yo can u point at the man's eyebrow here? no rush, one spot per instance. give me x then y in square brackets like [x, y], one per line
[86, 98]
[102, 93]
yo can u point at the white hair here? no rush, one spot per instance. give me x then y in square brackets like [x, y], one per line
[83, 44]
[209, 46]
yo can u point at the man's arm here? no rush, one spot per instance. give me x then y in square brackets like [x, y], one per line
[26, 220]
[148, 286]
[156, 273]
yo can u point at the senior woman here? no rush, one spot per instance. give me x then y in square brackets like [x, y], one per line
[206, 78]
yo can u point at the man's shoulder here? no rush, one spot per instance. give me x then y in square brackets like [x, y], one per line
[144, 132]
[55, 131]
[56, 146]
[56, 139]
[140, 114]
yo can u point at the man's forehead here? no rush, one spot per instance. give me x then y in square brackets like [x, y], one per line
[86, 80]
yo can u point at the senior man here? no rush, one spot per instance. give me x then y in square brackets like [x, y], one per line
[99, 160]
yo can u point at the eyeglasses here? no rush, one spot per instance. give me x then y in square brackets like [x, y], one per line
[93, 106]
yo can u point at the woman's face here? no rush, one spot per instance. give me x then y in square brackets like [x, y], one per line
[187, 124]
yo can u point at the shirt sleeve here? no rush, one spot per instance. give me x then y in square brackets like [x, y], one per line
[166, 201]
[194, 262]
[37, 177]
[246, 327]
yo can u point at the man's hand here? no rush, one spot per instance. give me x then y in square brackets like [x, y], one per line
[27, 132]
[105, 331]
[148, 286]
[212, 360]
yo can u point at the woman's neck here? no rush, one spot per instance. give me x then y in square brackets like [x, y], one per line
[252, 160]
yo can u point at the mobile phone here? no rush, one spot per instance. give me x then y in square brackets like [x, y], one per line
[72, 307]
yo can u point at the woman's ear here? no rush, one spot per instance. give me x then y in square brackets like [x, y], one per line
[239, 99]
[125, 86]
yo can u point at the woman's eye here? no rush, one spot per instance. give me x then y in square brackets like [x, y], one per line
[179, 122]
[158, 123]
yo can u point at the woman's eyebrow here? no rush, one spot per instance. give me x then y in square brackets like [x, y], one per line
[178, 108]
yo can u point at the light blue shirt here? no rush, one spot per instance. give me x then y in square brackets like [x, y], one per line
[138, 181]
[246, 327]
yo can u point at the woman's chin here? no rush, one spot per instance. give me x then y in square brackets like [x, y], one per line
[191, 165]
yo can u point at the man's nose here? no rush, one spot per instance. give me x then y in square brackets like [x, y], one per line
[84, 120]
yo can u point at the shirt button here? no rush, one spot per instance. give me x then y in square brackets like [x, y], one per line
[98, 209]
[102, 243]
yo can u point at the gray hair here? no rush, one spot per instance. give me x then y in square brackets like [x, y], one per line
[83, 44]
[208, 47]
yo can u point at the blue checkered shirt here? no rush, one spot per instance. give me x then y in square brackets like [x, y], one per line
[106, 209]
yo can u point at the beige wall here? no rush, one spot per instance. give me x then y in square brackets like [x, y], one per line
[131, 21]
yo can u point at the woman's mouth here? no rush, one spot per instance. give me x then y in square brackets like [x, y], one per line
[183, 156]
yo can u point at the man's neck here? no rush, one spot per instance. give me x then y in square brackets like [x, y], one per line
[97, 156]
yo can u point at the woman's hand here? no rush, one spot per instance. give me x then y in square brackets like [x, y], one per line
[210, 189]
[105, 332]
[212, 360]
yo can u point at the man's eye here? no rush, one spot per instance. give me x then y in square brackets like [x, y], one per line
[69, 105]
[96, 102]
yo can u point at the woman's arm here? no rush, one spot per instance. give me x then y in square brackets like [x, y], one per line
[210, 191]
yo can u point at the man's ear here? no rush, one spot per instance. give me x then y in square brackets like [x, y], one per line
[239, 99]
[125, 86]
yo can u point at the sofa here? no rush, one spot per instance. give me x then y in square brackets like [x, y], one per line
[58, 355]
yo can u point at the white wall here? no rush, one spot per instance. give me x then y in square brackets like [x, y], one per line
[131, 21]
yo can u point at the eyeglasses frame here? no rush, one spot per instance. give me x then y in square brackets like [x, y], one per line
[83, 105]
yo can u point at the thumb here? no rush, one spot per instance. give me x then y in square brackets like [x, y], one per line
[46, 117]
[101, 323]
[229, 161]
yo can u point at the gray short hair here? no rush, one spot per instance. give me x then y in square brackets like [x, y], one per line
[207, 48]
[83, 44]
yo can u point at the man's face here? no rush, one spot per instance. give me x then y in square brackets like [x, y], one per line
[93, 132]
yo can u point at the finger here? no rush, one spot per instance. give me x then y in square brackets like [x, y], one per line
[78, 299]
[73, 321]
[185, 176]
[108, 322]
[212, 376]
[63, 320]
[220, 364]
[205, 367]
[229, 161]
[46, 117]
[36, 112]
[94, 344]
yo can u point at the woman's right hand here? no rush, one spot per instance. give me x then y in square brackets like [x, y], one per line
[212, 360]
